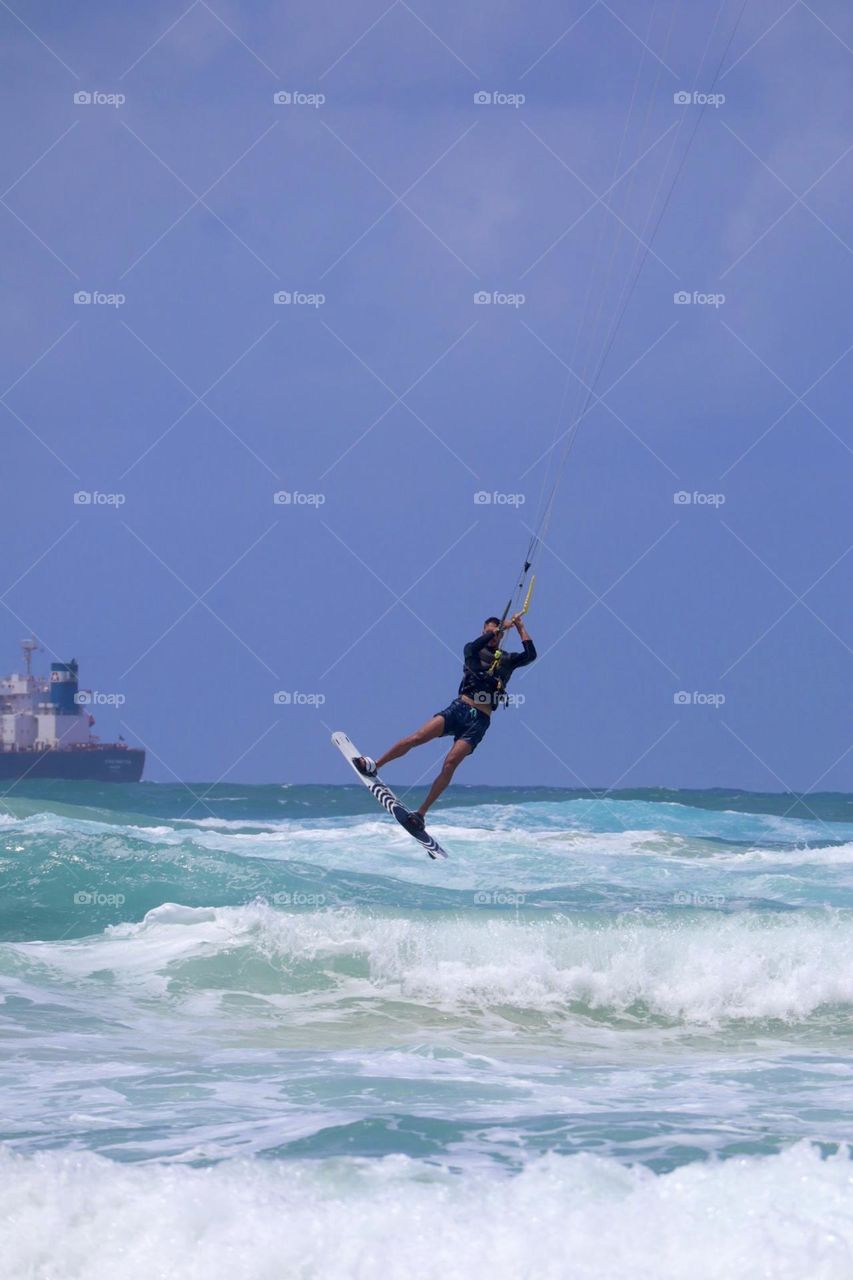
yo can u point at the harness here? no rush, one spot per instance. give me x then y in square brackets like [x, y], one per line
[495, 693]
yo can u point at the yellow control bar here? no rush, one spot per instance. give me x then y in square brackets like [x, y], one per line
[522, 611]
[526, 604]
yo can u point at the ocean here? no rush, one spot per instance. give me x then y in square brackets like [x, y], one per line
[253, 1032]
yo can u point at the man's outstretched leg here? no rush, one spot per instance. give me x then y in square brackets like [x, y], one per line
[433, 728]
[452, 760]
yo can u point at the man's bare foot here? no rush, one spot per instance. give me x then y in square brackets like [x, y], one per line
[365, 765]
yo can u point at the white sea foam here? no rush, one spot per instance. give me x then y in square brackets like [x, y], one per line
[75, 1216]
[818, 855]
[705, 970]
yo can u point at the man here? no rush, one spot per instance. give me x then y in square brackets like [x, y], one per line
[483, 689]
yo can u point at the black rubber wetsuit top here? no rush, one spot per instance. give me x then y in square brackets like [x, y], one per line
[477, 683]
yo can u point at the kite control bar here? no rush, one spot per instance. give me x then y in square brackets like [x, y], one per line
[522, 611]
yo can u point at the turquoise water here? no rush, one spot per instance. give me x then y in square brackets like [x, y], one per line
[262, 1010]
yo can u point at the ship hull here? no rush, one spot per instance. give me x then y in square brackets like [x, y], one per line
[93, 764]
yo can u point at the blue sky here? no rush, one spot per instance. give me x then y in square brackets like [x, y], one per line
[398, 398]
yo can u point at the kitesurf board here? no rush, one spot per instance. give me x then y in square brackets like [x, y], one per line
[386, 796]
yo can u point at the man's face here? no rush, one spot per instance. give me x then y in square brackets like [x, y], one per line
[491, 630]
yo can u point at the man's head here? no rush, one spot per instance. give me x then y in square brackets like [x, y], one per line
[491, 628]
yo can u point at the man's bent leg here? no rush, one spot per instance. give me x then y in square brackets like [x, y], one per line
[452, 760]
[433, 728]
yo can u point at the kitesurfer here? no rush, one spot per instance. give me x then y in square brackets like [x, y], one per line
[487, 670]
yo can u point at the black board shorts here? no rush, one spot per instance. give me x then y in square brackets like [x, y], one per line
[465, 723]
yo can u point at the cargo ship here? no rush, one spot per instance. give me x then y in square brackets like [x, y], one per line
[46, 730]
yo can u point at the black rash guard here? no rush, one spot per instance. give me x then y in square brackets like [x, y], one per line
[477, 682]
